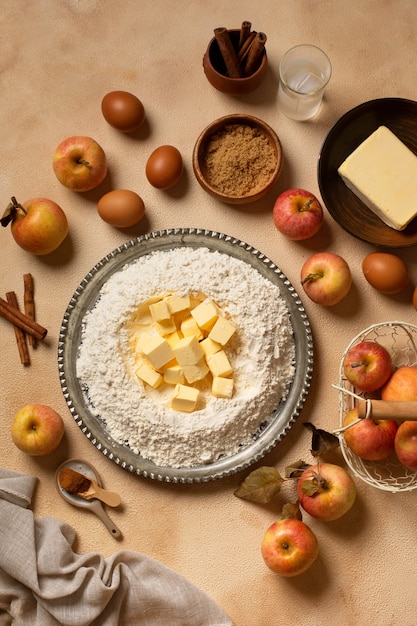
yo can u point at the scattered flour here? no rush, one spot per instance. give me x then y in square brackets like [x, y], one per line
[261, 354]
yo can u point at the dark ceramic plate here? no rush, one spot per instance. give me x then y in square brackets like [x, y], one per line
[400, 116]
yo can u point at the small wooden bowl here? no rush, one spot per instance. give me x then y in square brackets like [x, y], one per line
[215, 70]
[199, 152]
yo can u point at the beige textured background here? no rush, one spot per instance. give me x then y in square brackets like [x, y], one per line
[58, 59]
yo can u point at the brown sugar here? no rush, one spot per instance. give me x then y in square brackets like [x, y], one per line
[73, 481]
[239, 159]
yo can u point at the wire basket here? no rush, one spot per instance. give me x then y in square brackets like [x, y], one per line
[400, 339]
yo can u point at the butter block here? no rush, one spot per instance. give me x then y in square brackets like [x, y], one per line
[222, 387]
[219, 364]
[205, 314]
[189, 327]
[222, 331]
[173, 338]
[166, 327]
[146, 373]
[209, 346]
[156, 349]
[173, 375]
[195, 372]
[184, 398]
[177, 304]
[382, 172]
[188, 351]
[159, 311]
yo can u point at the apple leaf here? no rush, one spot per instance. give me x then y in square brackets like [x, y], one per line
[291, 510]
[311, 487]
[261, 485]
[321, 440]
[296, 469]
[8, 214]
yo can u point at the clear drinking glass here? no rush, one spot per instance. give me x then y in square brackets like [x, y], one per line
[304, 73]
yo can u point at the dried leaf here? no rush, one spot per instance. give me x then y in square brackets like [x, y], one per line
[321, 440]
[296, 469]
[291, 510]
[261, 485]
[311, 487]
[8, 214]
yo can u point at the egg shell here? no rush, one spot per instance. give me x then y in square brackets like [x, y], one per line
[385, 272]
[164, 167]
[123, 111]
[121, 208]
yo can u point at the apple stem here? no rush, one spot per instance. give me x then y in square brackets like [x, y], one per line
[306, 205]
[84, 162]
[312, 276]
[357, 364]
[16, 205]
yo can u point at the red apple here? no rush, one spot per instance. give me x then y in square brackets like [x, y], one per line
[38, 226]
[372, 440]
[367, 365]
[326, 278]
[402, 385]
[289, 547]
[406, 444]
[37, 429]
[326, 491]
[297, 214]
[80, 163]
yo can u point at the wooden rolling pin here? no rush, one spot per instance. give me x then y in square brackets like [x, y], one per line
[388, 410]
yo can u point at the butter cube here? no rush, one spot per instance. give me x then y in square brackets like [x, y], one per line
[219, 364]
[174, 338]
[222, 331]
[146, 373]
[209, 346]
[159, 311]
[177, 304]
[222, 387]
[188, 351]
[189, 327]
[166, 327]
[173, 375]
[205, 314]
[382, 172]
[195, 372]
[156, 349]
[184, 398]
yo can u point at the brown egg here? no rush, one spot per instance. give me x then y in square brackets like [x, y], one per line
[121, 208]
[164, 167]
[385, 272]
[123, 111]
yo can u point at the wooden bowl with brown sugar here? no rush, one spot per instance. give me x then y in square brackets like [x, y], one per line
[237, 159]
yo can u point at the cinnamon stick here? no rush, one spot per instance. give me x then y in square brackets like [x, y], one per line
[29, 303]
[244, 50]
[19, 333]
[14, 316]
[228, 52]
[256, 51]
[244, 32]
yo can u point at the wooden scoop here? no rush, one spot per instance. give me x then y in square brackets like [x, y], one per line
[387, 410]
[87, 488]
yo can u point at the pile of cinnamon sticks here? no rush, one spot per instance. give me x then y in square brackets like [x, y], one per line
[244, 60]
[26, 329]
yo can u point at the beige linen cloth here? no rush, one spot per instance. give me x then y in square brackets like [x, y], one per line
[43, 582]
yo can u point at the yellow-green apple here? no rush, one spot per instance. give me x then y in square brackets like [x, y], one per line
[326, 278]
[367, 365]
[80, 163]
[371, 440]
[326, 491]
[402, 385]
[289, 547]
[297, 214]
[37, 429]
[38, 226]
[406, 444]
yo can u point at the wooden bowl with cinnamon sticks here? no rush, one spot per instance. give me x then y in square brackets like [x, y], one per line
[235, 61]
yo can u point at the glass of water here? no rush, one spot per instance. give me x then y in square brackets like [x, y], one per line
[304, 72]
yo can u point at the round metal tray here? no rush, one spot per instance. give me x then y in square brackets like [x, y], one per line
[275, 426]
